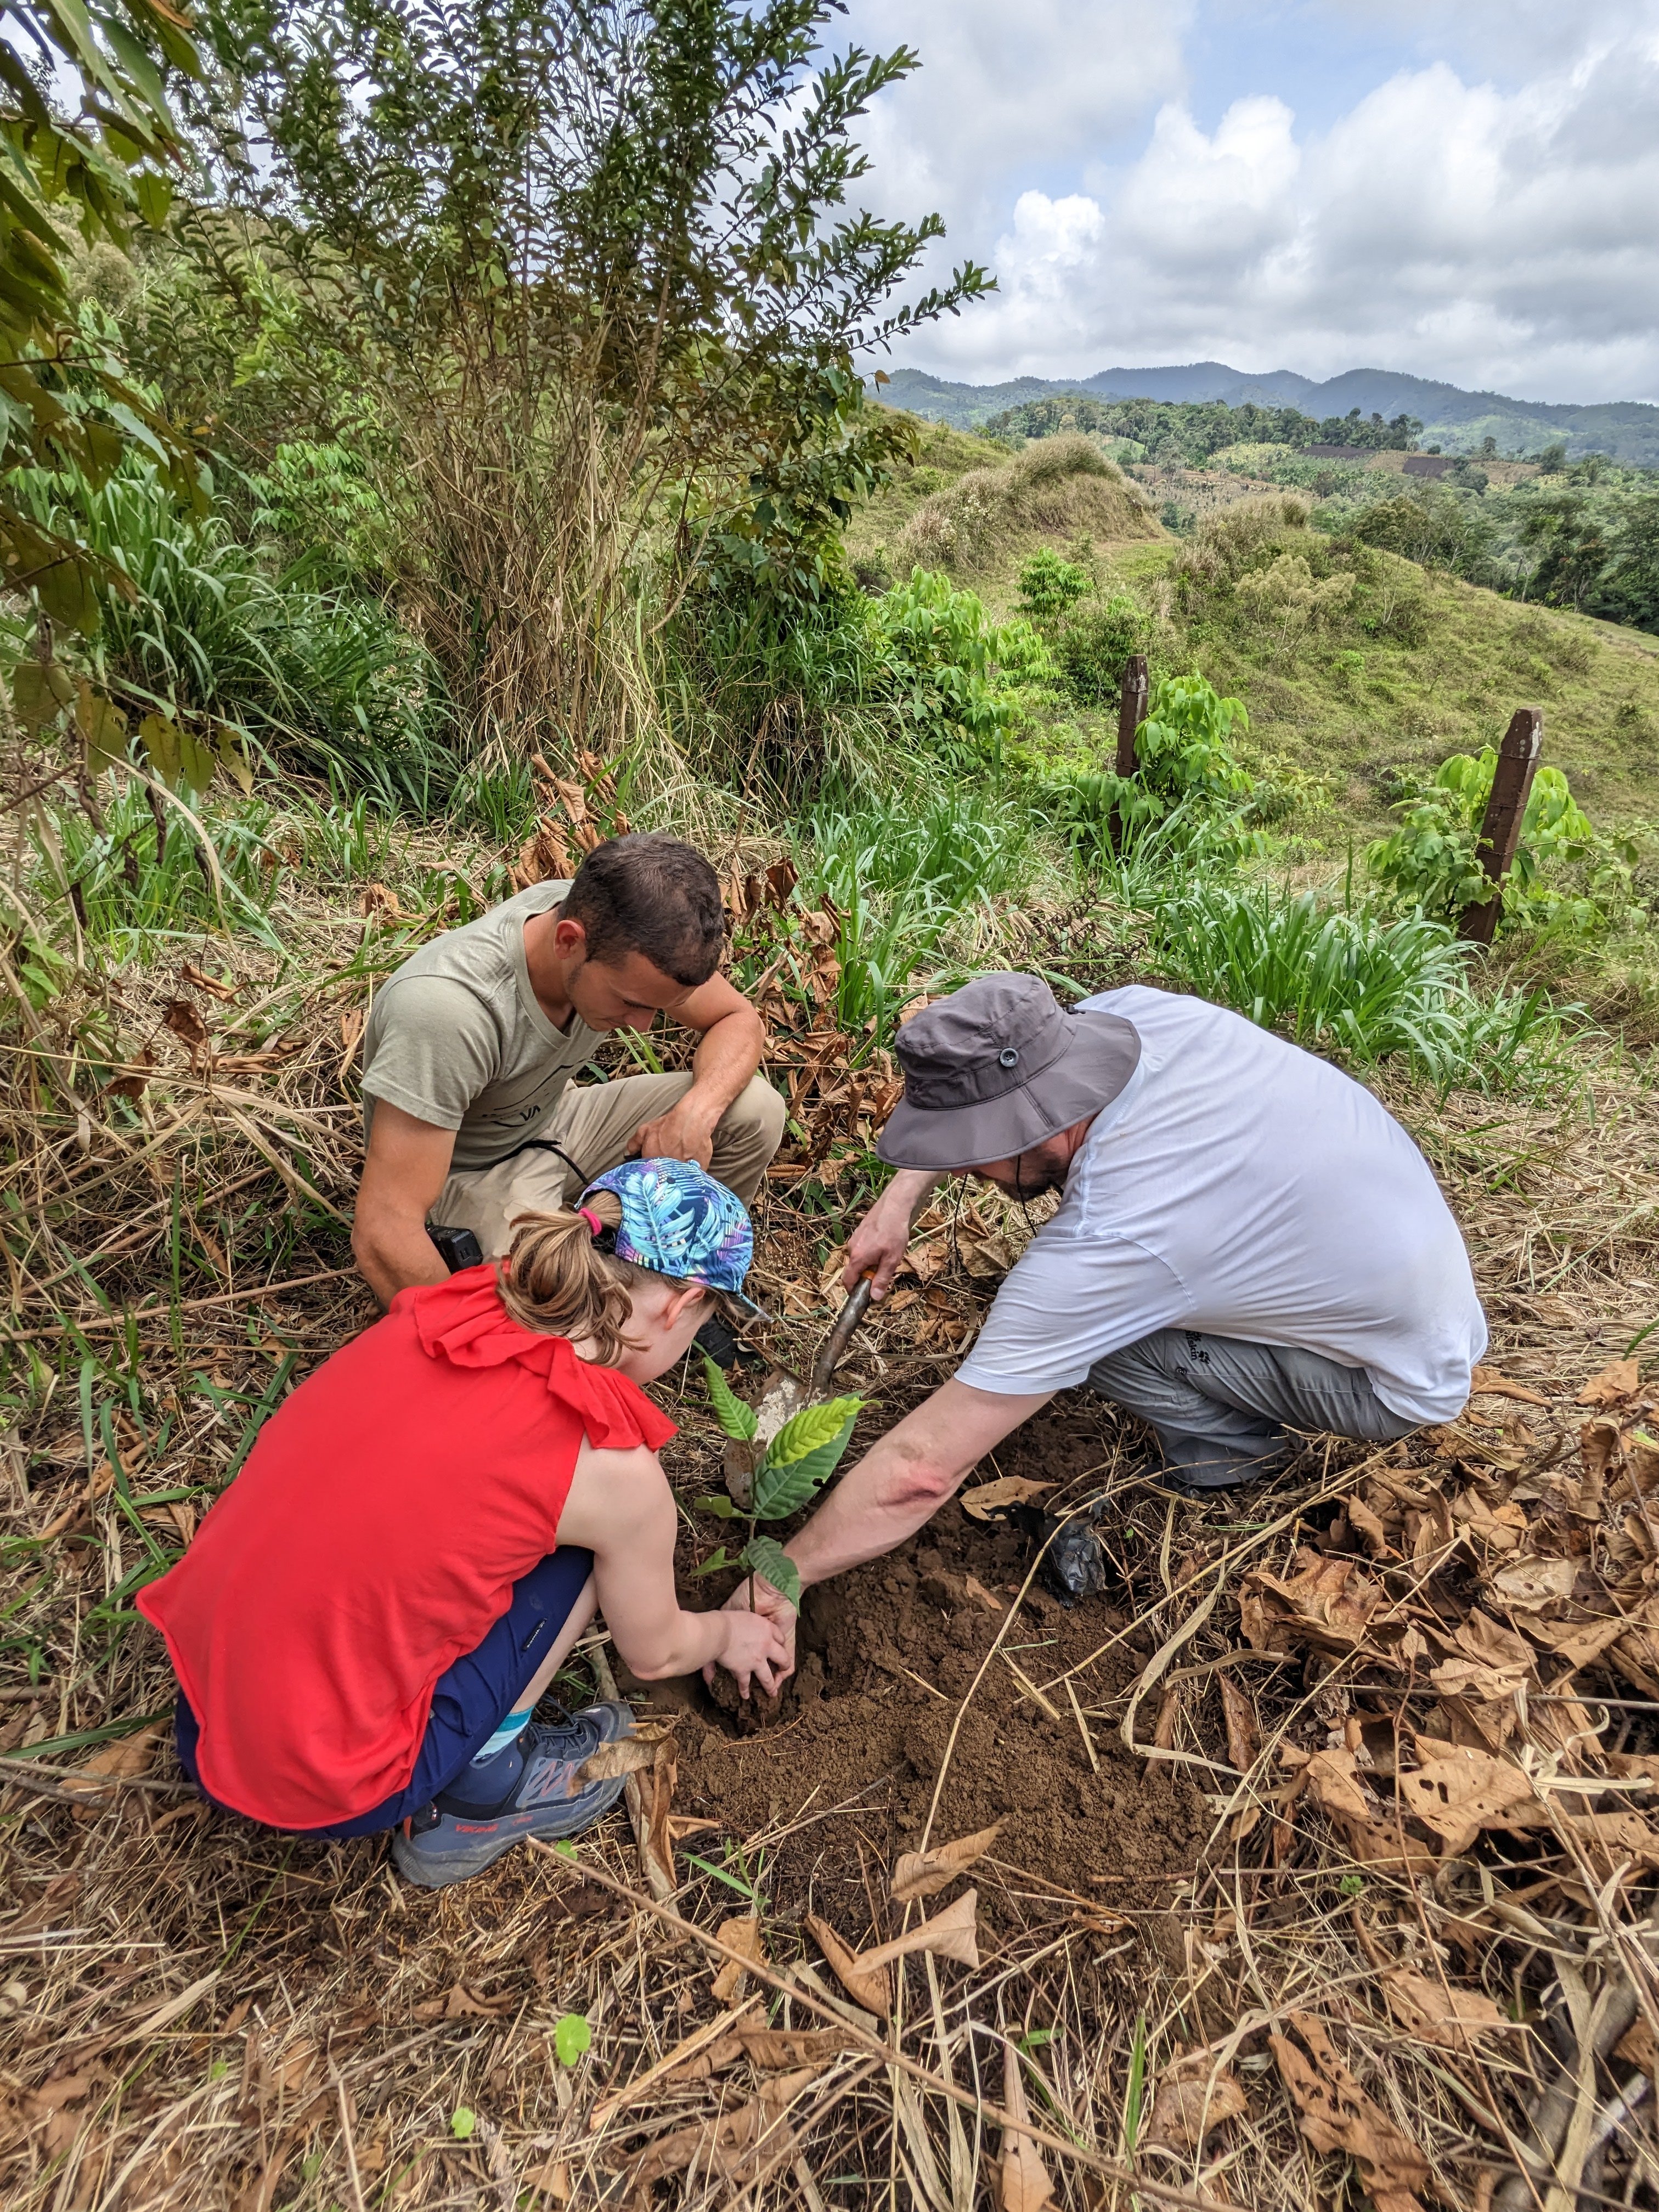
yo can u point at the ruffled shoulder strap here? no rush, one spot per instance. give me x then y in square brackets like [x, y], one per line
[465, 1321]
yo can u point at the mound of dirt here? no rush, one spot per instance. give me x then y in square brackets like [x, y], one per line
[887, 1654]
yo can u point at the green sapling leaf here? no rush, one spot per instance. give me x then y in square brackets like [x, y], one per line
[737, 1419]
[764, 1555]
[811, 1428]
[781, 1491]
[721, 1508]
[462, 2122]
[572, 2036]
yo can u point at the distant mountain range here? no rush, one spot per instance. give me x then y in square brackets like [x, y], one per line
[1456, 420]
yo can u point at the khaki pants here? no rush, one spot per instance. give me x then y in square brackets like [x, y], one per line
[597, 1123]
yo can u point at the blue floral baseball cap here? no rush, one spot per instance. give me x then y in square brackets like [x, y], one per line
[679, 1221]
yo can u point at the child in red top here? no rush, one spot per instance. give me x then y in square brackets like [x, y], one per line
[367, 1618]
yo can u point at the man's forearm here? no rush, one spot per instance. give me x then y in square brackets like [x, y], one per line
[904, 1478]
[391, 1256]
[725, 1062]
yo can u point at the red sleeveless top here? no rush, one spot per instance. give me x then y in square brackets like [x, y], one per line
[374, 1537]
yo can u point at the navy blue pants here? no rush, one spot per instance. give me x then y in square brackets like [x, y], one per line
[469, 1701]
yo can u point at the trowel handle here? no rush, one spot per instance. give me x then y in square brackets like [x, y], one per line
[846, 1322]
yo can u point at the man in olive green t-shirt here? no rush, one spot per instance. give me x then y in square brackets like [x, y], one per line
[469, 1108]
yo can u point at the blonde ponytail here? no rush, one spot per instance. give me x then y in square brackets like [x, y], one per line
[556, 1280]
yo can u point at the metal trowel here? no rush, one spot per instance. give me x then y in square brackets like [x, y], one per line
[784, 1395]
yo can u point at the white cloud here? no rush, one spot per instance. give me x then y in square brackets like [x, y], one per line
[1493, 226]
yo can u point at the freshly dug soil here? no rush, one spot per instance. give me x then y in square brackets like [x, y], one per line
[886, 1653]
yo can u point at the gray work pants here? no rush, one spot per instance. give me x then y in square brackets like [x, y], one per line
[1220, 1407]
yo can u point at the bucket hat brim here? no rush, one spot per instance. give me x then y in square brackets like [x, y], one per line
[1089, 1074]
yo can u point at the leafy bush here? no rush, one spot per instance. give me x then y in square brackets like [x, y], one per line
[1431, 860]
[1051, 587]
[1094, 647]
[1183, 761]
[952, 670]
[1356, 982]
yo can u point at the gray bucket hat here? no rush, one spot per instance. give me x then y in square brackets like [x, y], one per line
[995, 1068]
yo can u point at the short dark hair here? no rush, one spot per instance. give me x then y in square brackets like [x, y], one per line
[650, 893]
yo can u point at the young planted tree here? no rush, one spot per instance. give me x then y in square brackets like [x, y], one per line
[794, 1467]
[597, 263]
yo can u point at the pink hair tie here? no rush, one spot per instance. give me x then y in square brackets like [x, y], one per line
[595, 1225]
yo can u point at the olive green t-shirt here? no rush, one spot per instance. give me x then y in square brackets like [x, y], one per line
[456, 1036]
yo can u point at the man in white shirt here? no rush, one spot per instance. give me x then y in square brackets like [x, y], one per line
[1247, 1244]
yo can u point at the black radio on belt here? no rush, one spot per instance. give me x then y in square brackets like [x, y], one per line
[457, 1248]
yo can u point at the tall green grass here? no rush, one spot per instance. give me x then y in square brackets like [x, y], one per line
[322, 678]
[1352, 981]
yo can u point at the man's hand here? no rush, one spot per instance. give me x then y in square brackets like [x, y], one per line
[776, 1609]
[685, 1132]
[877, 1246]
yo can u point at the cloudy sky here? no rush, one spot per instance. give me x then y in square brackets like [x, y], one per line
[1465, 189]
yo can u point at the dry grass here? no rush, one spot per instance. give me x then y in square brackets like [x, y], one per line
[1059, 488]
[202, 2015]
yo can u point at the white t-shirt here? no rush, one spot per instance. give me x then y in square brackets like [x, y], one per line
[1239, 1186]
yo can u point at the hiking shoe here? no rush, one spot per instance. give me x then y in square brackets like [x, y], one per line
[456, 1836]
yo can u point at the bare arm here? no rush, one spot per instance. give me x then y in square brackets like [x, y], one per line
[621, 1508]
[722, 1067]
[906, 1476]
[408, 1162]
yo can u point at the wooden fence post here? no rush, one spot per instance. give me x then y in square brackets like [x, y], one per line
[1500, 827]
[1131, 711]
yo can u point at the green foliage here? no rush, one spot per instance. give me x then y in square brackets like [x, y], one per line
[1051, 587]
[1349, 980]
[607, 300]
[943, 651]
[764, 1555]
[204, 636]
[572, 2037]
[796, 1464]
[1177, 432]
[1094, 647]
[1431, 860]
[463, 2123]
[735, 1415]
[65, 400]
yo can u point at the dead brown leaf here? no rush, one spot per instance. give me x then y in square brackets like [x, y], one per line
[742, 1933]
[1490, 1663]
[1529, 1584]
[1334, 2113]
[1448, 2016]
[990, 1499]
[1189, 2103]
[1243, 1740]
[128, 1756]
[1622, 1379]
[776, 2049]
[872, 1989]
[1463, 1791]
[1022, 2179]
[1328, 1603]
[187, 1024]
[1487, 1382]
[919, 1874]
[952, 1934]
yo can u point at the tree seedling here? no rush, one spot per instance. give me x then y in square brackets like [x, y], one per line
[798, 1460]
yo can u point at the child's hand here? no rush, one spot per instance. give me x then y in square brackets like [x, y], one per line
[753, 1646]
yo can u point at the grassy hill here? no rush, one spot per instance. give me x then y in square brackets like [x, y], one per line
[1417, 665]
[1627, 430]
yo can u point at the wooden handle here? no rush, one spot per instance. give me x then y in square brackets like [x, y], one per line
[841, 1335]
